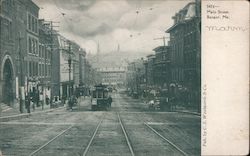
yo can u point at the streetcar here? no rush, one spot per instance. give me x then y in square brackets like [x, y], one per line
[100, 98]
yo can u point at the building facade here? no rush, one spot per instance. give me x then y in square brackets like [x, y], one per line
[82, 68]
[8, 53]
[31, 57]
[149, 70]
[185, 44]
[136, 77]
[36, 60]
[45, 57]
[115, 76]
[161, 66]
[19, 49]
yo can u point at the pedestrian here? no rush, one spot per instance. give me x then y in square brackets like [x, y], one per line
[37, 99]
[47, 100]
[110, 100]
[70, 102]
[27, 103]
[32, 102]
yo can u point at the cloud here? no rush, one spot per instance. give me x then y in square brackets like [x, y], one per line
[74, 4]
[131, 23]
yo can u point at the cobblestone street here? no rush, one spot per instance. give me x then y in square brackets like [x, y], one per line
[127, 128]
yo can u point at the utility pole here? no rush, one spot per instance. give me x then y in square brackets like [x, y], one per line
[69, 63]
[21, 88]
[162, 38]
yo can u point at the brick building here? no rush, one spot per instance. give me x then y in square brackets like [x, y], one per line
[136, 77]
[185, 51]
[45, 57]
[8, 53]
[18, 49]
[161, 66]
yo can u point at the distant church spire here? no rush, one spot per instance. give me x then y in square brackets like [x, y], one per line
[98, 52]
[118, 48]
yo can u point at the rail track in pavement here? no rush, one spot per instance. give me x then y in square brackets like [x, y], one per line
[123, 130]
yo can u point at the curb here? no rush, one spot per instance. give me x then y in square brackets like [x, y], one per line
[25, 115]
[187, 112]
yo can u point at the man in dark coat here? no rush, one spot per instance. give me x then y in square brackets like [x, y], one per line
[71, 102]
[110, 101]
[27, 103]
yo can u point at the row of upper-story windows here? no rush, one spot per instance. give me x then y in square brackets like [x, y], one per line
[44, 52]
[177, 52]
[177, 74]
[32, 68]
[37, 69]
[7, 29]
[44, 70]
[32, 23]
[5, 6]
[32, 45]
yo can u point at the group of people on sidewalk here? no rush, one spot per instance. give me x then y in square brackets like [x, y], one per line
[31, 101]
[73, 100]
[172, 99]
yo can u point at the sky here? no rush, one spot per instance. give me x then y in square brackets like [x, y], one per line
[133, 24]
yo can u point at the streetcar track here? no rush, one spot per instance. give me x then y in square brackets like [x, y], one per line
[126, 135]
[47, 143]
[92, 138]
[53, 139]
[96, 130]
[86, 150]
[161, 136]
[164, 138]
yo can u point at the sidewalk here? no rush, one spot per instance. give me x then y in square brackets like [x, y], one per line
[7, 110]
[188, 111]
[11, 113]
[181, 109]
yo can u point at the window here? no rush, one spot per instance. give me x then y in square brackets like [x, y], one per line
[43, 52]
[29, 42]
[42, 69]
[39, 69]
[10, 30]
[49, 70]
[33, 69]
[32, 23]
[46, 53]
[45, 70]
[35, 50]
[36, 69]
[33, 46]
[35, 25]
[30, 69]
[39, 50]
[29, 21]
